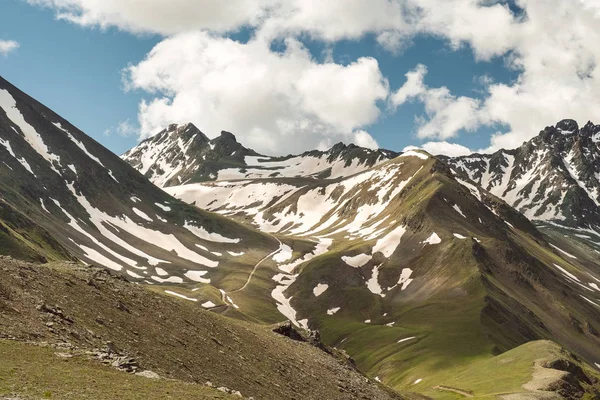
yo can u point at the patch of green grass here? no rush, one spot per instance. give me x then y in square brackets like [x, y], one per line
[505, 373]
[36, 372]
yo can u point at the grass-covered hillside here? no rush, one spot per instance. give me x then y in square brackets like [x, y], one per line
[413, 272]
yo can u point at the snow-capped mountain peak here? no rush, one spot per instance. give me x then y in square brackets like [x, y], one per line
[553, 177]
[182, 154]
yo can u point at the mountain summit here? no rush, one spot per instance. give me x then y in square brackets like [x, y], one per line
[554, 177]
[182, 154]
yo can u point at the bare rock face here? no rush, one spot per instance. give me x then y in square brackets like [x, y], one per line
[553, 177]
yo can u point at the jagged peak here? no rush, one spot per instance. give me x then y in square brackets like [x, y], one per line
[226, 136]
[567, 126]
[186, 131]
[589, 129]
[340, 146]
[568, 129]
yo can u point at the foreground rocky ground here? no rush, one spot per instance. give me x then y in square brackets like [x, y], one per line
[76, 315]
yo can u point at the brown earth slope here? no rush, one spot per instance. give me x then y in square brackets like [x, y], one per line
[87, 309]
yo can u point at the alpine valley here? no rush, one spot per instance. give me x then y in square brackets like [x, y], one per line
[170, 272]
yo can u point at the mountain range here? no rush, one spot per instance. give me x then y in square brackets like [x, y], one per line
[405, 246]
[426, 274]
[554, 177]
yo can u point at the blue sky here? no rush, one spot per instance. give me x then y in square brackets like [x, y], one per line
[76, 68]
[74, 71]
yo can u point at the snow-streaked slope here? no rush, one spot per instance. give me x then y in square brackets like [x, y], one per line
[287, 206]
[182, 154]
[553, 177]
[102, 210]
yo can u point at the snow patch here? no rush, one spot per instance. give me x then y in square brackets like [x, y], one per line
[196, 276]
[373, 283]
[163, 207]
[564, 252]
[284, 254]
[321, 248]
[21, 160]
[413, 153]
[404, 279]
[100, 258]
[44, 206]
[320, 289]
[78, 143]
[205, 235]
[134, 275]
[458, 210]
[172, 279]
[388, 244]
[567, 273]
[172, 293]
[142, 214]
[433, 239]
[31, 136]
[358, 260]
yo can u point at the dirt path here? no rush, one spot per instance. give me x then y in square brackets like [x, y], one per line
[224, 293]
[454, 390]
[543, 378]
[258, 265]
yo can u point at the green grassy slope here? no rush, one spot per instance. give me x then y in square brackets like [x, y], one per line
[471, 299]
[33, 372]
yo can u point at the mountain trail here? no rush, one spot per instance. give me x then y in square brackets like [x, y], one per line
[258, 265]
[224, 293]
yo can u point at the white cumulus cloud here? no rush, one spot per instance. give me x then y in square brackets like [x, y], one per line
[550, 44]
[446, 114]
[166, 17]
[274, 102]
[6, 46]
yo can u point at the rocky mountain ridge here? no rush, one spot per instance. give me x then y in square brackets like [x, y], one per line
[64, 196]
[554, 177]
[182, 154]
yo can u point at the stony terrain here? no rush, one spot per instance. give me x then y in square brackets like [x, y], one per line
[137, 330]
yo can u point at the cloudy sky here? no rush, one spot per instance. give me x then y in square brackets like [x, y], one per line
[289, 75]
